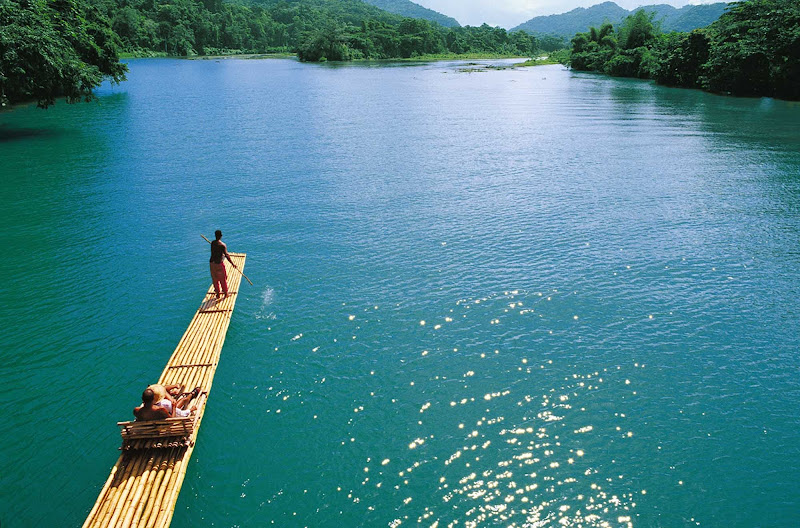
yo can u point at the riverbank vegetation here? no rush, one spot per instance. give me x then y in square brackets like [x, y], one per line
[751, 50]
[317, 30]
[409, 39]
[52, 49]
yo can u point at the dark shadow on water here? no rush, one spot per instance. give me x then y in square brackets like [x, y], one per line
[9, 133]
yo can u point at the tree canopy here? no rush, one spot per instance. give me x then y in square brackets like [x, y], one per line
[751, 50]
[315, 29]
[54, 48]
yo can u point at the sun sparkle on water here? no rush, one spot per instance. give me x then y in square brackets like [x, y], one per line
[528, 455]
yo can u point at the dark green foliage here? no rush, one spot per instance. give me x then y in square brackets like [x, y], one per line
[755, 50]
[54, 48]
[316, 29]
[623, 53]
[550, 42]
[633, 55]
[593, 49]
[411, 38]
[493, 40]
[682, 56]
[408, 38]
[327, 43]
[637, 30]
[752, 50]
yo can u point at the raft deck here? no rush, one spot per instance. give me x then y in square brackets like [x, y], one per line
[144, 483]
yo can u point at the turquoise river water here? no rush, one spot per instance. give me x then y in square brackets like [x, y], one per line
[520, 298]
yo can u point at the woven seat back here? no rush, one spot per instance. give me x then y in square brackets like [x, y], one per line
[181, 426]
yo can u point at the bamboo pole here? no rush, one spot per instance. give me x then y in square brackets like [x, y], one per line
[162, 491]
[147, 489]
[143, 486]
[169, 496]
[103, 492]
[133, 500]
[163, 471]
[111, 496]
[121, 494]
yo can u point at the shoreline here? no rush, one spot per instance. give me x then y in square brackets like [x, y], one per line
[162, 55]
[527, 61]
[244, 56]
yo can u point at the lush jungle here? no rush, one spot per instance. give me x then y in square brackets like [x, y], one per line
[65, 47]
[751, 50]
[51, 48]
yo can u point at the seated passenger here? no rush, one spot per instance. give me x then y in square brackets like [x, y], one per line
[169, 398]
[149, 409]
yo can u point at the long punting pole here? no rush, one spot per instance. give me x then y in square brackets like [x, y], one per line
[143, 486]
[234, 265]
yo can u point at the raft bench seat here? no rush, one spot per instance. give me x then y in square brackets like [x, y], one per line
[170, 432]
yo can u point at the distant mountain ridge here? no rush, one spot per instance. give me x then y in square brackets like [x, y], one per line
[409, 9]
[579, 20]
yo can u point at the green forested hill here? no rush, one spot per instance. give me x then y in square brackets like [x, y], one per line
[577, 20]
[686, 18]
[669, 18]
[409, 9]
[692, 17]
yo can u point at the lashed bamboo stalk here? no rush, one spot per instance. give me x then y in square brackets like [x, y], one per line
[144, 484]
[136, 496]
[170, 491]
[162, 491]
[199, 346]
[186, 336]
[202, 331]
[103, 492]
[122, 492]
[155, 494]
[102, 506]
[114, 492]
[147, 490]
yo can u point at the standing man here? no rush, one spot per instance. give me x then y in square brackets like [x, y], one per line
[218, 274]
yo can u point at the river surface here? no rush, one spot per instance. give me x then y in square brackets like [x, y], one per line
[518, 298]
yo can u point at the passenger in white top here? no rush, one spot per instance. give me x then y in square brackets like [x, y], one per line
[170, 399]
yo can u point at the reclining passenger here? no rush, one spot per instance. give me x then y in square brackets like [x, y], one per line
[170, 399]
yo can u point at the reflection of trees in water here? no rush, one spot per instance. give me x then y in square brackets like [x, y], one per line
[9, 133]
[748, 123]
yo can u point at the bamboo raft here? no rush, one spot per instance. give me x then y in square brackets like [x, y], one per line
[144, 483]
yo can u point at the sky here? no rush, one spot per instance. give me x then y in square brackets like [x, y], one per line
[510, 13]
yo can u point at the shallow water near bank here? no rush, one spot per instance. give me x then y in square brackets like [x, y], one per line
[523, 297]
